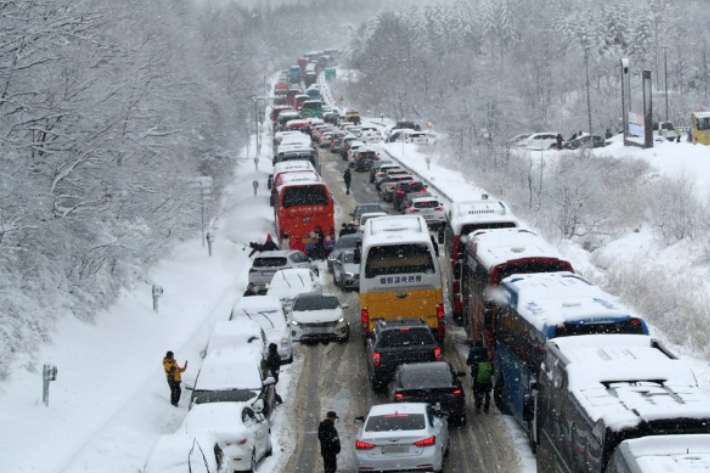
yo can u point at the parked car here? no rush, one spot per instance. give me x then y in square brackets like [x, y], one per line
[399, 135]
[201, 453]
[403, 188]
[539, 141]
[267, 263]
[395, 342]
[234, 376]
[231, 335]
[346, 271]
[428, 207]
[409, 198]
[349, 138]
[585, 141]
[367, 216]
[371, 135]
[363, 159]
[387, 186]
[410, 436]
[352, 147]
[433, 383]
[269, 314]
[363, 209]
[665, 130]
[377, 166]
[518, 139]
[288, 283]
[416, 137]
[345, 242]
[318, 317]
[244, 431]
[385, 173]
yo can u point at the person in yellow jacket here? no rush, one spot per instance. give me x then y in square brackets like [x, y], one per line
[172, 372]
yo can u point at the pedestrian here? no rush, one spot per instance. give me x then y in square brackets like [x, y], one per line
[172, 372]
[273, 364]
[677, 134]
[559, 140]
[329, 442]
[347, 177]
[482, 376]
[319, 251]
[608, 134]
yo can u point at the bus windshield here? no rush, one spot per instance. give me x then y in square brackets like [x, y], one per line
[304, 195]
[399, 259]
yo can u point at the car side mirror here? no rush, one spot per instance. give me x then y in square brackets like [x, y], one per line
[345, 306]
[258, 406]
[360, 419]
[270, 381]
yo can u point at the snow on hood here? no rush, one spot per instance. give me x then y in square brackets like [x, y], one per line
[317, 316]
[224, 419]
[171, 454]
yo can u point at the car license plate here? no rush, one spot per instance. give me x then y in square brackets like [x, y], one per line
[394, 449]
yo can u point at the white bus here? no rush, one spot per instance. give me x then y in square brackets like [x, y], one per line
[400, 276]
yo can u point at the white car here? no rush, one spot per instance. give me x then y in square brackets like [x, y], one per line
[354, 146]
[288, 283]
[370, 134]
[227, 335]
[319, 317]
[416, 137]
[367, 216]
[268, 313]
[404, 436]
[244, 431]
[428, 207]
[539, 141]
[202, 453]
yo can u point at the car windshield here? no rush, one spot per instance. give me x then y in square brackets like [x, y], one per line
[348, 257]
[316, 303]
[405, 337]
[395, 422]
[266, 318]
[345, 243]
[228, 395]
[427, 204]
[271, 262]
[426, 378]
[364, 209]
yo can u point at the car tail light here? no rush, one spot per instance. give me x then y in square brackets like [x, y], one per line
[399, 396]
[426, 442]
[635, 322]
[400, 192]
[413, 210]
[365, 318]
[440, 208]
[252, 270]
[441, 328]
[440, 311]
[360, 445]
[457, 392]
[377, 358]
[391, 186]
[437, 354]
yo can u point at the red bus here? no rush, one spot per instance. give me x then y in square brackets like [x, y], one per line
[491, 256]
[281, 170]
[303, 204]
[462, 219]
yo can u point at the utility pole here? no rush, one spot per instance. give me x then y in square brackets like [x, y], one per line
[665, 77]
[589, 97]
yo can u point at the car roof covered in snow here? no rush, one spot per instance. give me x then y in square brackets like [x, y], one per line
[174, 453]
[394, 230]
[669, 453]
[304, 178]
[495, 247]
[216, 417]
[288, 283]
[235, 334]
[230, 369]
[478, 211]
[399, 408]
[551, 299]
[290, 166]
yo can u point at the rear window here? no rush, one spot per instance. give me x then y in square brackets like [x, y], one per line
[304, 195]
[424, 379]
[394, 422]
[345, 243]
[273, 262]
[427, 204]
[230, 395]
[399, 259]
[316, 303]
[625, 327]
[364, 209]
[367, 154]
[405, 337]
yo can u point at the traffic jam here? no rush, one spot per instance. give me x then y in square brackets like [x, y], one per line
[467, 327]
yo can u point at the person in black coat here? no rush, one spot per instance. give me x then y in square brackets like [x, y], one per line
[273, 364]
[347, 177]
[329, 442]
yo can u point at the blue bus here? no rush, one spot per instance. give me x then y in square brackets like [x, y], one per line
[295, 74]
[533, 308]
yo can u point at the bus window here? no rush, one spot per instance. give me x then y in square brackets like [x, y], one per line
[531, 266]
[413, 258]
[305, 195]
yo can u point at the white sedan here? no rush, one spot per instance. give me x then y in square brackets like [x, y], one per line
[245, 432]
[319, 317]
[405, 436]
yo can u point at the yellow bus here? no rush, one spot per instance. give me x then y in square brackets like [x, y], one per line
[700, 127]
[400, 276]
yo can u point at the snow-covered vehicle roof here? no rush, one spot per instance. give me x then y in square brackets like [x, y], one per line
[399, 408]
[396, 229]
[288, 283]
[478, 211]
[224, 419]
[549, 300]
[229, 369]
[304, 178]
[296, 165]
[239, 334]
[178, 453]
[494, 247]
[264, 310]
[668, 453]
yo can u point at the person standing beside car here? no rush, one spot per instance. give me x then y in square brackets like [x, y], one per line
[273, 364]
[172, 372]
[329, 442]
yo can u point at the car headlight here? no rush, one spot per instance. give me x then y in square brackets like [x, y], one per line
[350, 275]
[341, 320]
[293, 322]
[284, 341]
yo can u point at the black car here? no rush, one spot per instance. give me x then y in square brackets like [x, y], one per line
[365, 209]
[387, 186]
[432, 383]
[585, 141]
[395, 342]
[376, 166]
[404, 188]
[364, 160]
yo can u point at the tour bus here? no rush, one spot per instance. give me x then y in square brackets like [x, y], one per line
[462, 219]
[700, 127]
[662, 453]
[399, 274]
[312, 108]
[297, 152]
[295, 74]
[284, 168]
[300, 98]
[595, 391]
[533, 308]
[303, 204]
[491, 256]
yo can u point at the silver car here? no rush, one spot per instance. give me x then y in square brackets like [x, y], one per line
[346, 272]
[430, 208]
[404, 436]
[345, 242]
[267, 263]
[319, 317]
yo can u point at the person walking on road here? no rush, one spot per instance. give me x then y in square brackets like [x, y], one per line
[482, 374]
[273, 364]
[172, 372]
[329, 442]
[347, 177]
[319, 237]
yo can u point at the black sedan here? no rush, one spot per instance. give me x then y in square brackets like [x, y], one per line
[432, 383]
[585, 141]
